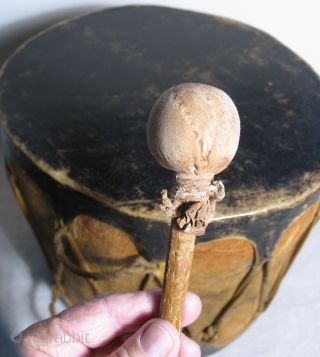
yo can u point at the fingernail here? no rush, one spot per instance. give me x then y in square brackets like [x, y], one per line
[156, 342]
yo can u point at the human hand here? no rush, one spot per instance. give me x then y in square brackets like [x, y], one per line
[113, 325]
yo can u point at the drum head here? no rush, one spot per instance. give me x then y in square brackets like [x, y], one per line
[76, 100]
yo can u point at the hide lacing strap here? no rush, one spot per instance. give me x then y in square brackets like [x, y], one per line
[135, 265]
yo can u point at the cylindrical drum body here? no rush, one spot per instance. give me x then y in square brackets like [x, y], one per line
[74, 107]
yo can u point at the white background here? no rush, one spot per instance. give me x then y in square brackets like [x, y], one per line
[291, 326]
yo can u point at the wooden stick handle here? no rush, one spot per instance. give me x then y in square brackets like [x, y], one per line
[177, 273]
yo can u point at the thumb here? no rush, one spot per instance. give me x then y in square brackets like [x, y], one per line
[157, 338]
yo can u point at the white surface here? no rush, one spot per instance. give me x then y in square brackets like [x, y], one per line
[291, 326]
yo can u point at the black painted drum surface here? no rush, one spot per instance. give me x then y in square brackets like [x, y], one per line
[74, 107]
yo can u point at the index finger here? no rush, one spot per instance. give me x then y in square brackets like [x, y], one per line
[109, 315]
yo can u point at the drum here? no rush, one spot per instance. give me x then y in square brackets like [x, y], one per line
[75, 101]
